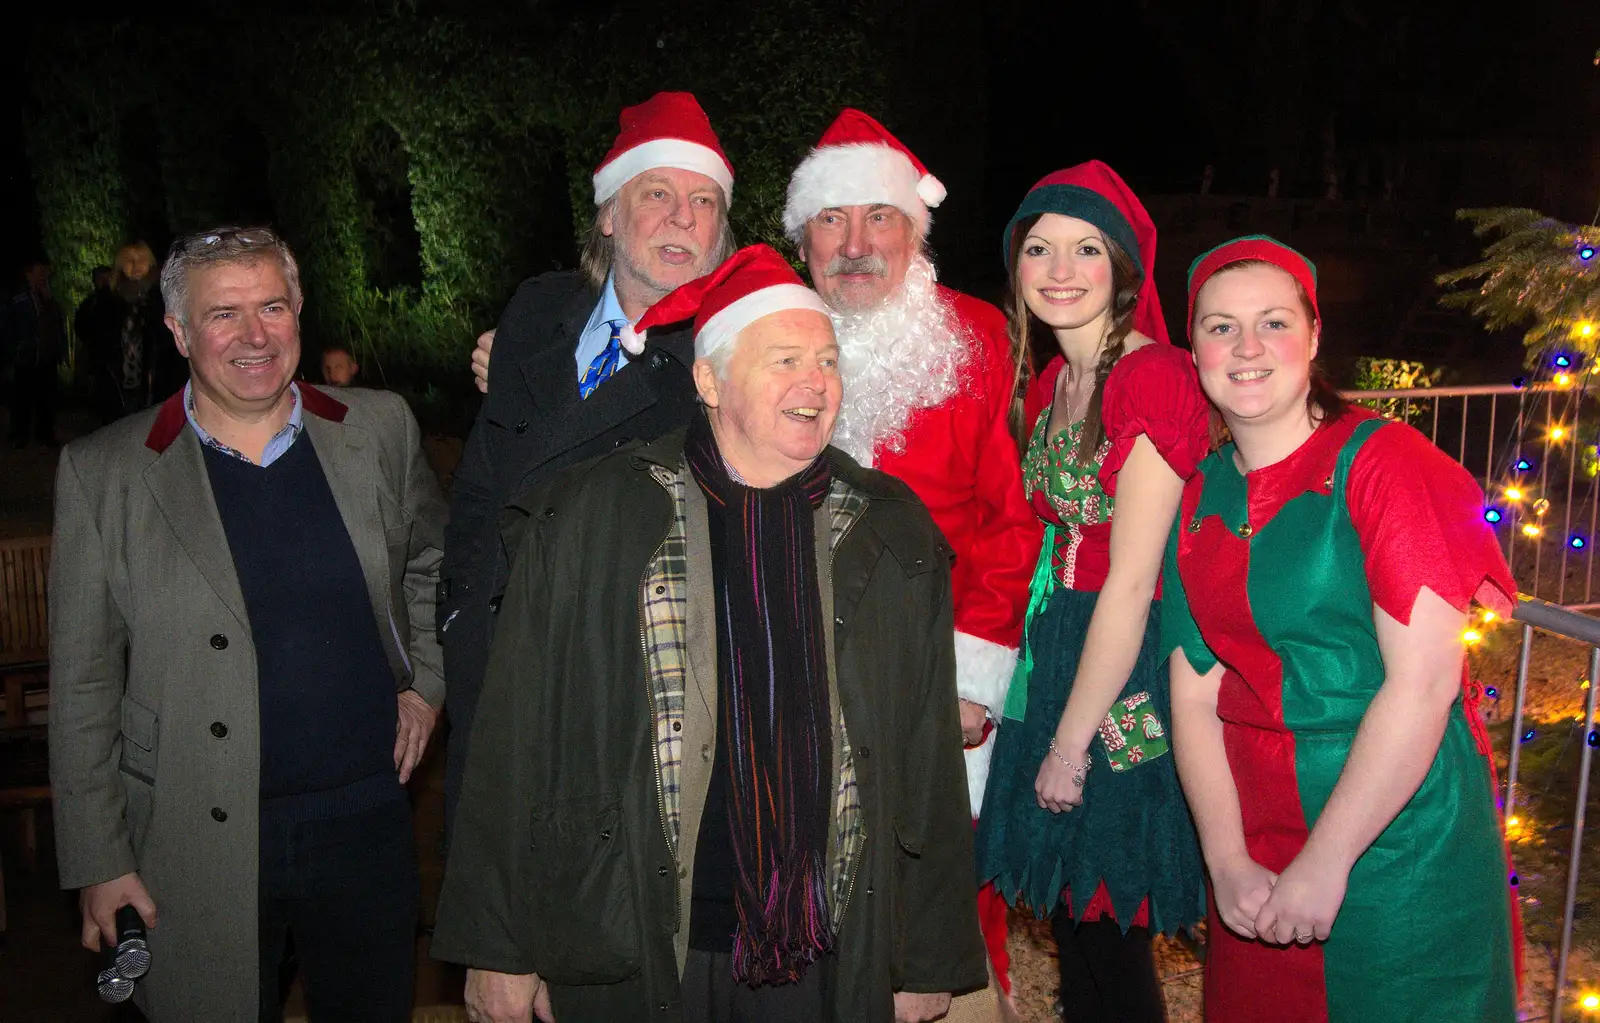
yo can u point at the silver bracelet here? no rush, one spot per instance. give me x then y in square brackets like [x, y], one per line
[1075, 768]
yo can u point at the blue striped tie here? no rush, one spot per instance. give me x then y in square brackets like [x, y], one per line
[605, 363]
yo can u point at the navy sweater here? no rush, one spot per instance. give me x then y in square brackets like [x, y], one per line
[328, 701]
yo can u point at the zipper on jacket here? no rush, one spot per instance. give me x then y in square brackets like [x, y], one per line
[655, 743]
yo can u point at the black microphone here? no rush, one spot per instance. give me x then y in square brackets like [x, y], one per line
[110, 982]
[133, 949]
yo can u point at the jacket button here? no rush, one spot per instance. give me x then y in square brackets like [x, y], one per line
[864, 752]
[494, 605]
[663, 1006]
[620, 441]
[219, 642]
[658, 360]
[660, 590]
[550, 512]
[663, 871]
[677, 726]
[838, 621]
[605, 835]
[1247, 530]
[869, 889]
[218, 814]
[219, 729]
[521, 428]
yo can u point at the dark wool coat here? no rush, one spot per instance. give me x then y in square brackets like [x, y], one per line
[531, 426]
[561, 862]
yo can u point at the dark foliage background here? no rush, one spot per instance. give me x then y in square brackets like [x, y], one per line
[420, 166]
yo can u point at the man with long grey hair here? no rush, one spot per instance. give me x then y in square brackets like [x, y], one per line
[571, 379]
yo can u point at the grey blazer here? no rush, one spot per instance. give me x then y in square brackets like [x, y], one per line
[154, 712]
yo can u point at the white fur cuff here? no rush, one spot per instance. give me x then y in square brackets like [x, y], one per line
[983, 671]
[977, 760]
[858, 175]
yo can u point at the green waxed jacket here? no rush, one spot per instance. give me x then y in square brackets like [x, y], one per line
[563, 861]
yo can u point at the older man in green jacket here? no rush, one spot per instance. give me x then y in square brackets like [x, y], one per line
[716, 771]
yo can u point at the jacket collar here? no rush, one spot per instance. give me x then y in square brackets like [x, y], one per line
[170, 419]
[667, 452]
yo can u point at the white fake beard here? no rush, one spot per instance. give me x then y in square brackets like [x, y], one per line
[905, 355]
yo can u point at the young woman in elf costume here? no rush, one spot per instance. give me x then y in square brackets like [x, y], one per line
[1316, 587]
[1083, 817]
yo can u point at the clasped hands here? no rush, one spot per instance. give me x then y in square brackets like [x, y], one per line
[1297, 906]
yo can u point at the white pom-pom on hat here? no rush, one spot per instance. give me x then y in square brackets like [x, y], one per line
[632, 340]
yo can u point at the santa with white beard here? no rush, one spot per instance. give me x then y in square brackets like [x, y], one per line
[928, 379]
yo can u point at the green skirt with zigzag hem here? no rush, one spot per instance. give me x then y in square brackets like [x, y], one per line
[1133, 831]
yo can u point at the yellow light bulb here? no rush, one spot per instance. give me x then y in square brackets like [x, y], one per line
[1512, 822]
[1513, 493]
[1471, 636]
[1557, 432]
[1591, 1002]
[1586, 329]
[1489, 616]
[1563, 380]
[1531, 530]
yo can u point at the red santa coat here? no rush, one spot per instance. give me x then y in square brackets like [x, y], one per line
[961, 461]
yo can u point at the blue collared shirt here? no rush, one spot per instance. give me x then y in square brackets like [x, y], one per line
[598, 330]
[280, 442]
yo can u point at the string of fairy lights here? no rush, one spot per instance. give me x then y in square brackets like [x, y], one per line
[1566, 371]
[1519, 505]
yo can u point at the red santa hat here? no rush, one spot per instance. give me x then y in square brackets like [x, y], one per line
[752, 283]
[667, 130]
[857, 162]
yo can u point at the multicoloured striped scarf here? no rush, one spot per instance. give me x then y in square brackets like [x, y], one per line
[775, 721]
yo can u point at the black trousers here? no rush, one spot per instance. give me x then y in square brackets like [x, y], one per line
[1107, 976]
[711, 995]
[34, 391]
[345, 893]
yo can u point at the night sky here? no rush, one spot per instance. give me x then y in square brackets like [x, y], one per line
[1158, 88]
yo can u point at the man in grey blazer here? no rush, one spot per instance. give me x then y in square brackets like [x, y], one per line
[243, 663]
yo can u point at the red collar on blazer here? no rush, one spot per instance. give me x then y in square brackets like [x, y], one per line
[170, 421]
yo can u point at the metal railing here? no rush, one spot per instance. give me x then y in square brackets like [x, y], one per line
[1534, 613]
[1535, 449]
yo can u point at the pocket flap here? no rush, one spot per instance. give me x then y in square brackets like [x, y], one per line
[140, 725]
[907, 839]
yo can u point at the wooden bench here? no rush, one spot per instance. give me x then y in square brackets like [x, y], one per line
[25, 672]
[24, 622]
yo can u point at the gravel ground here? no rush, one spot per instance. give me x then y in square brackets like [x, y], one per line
[1034, 979]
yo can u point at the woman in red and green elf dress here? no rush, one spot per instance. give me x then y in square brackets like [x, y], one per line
[1317, 583]
[1083, 817]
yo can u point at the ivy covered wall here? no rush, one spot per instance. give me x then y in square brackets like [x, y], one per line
[420, 167]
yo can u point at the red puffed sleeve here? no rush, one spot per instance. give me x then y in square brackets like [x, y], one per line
[1154, 392]
[1419, 515]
